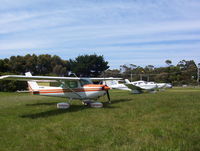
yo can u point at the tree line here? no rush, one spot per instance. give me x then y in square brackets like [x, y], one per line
[83, 66]
[185, 72]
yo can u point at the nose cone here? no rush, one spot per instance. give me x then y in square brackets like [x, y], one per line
[105, 87]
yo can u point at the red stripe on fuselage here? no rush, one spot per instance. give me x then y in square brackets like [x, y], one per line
[68, 90]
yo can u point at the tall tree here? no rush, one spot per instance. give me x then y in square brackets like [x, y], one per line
[88, 65]
[168, 62]
[2, 66]
[112, 73]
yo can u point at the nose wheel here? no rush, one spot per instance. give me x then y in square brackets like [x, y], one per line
[93, 104]
[87, 102]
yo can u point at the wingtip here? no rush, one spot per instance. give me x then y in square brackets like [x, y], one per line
[3, 77]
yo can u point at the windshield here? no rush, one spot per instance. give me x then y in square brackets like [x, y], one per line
[85, 81]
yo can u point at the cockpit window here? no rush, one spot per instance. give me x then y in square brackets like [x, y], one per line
[69, 84]
[85, 81]
[73, 84]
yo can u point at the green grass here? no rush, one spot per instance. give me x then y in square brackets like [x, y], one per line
[165, 121]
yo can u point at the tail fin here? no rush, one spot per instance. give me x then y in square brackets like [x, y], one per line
[127, 81]
[32, 85]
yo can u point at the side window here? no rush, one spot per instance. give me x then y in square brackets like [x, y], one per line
[70, 84]
[73, 84]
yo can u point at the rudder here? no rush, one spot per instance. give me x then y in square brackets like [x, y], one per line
[32, 85]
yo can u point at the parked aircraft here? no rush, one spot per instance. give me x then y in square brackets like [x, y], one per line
[114, 84]
[168, 85]
[159, 85]
[136, 89]
[70, 87]
[136, 86]
[143, 84]
[162, 85]
[140, 86]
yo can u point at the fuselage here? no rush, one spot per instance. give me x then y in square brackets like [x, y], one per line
[160, 85]
[144, 85]
[114, 84]
[120, 87]
[90, 91]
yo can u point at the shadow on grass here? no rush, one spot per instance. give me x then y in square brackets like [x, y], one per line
[54, 112]
[108, 105]
[44, 103]
[73, 108]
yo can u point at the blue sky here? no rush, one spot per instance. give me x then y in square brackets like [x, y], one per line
[140, 32]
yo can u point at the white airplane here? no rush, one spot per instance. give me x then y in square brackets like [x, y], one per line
[162, 85]
[168, 85]
[70, 87]
[140, 86]
[114, 84]
[136, 89]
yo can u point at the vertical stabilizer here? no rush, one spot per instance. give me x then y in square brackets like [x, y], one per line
[32, 85]
[127, 81]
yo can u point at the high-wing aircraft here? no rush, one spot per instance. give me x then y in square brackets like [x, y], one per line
[70, 87]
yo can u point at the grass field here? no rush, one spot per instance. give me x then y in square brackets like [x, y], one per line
[165, 121]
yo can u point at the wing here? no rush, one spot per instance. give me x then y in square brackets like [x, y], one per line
[36, 78]
[133, 87]
[48, 78]
[104, 79]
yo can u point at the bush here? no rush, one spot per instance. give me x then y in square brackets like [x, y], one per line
[11, 86]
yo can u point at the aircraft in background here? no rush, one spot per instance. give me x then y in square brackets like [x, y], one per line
[114, 84]
[70, 87]
[136, 89]
[168, 85]
[140, 86]
[159, 85]
[162, 85]
[137, 86]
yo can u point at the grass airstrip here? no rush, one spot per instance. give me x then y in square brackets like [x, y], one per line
[165, 121]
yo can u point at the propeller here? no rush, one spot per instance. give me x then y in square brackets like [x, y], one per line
[108, 96]
[106, 88]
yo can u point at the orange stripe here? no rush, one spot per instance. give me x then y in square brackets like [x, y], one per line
[94, 85]
[66, 91]
[70, 90]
